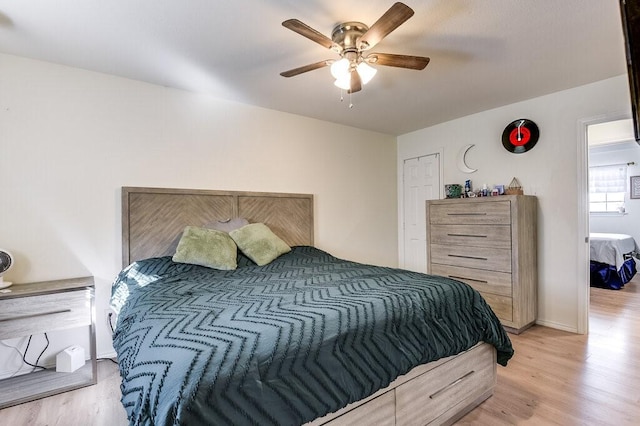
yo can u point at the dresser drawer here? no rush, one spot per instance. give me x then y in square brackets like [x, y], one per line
[502, 306]
[482, 280]
[445, 388]
[497, 236]
[491, 259]
[30, 315]
[477, 213]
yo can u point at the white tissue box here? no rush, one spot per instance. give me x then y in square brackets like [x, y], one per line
[70, 359]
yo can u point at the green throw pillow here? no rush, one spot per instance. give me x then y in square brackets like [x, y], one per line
[259, 243]
[206, 247]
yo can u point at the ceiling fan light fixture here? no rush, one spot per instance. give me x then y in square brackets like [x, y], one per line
[366, 72]
[352, 41]
[344, 82]
[340, 69]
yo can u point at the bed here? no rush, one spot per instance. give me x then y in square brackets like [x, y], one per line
[612, 261]
[307, 338]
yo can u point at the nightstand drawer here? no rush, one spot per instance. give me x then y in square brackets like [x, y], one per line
[488, 213]
[491, 259]
[497, 236]
[30, 315]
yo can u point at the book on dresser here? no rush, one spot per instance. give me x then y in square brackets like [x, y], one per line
[489, 243]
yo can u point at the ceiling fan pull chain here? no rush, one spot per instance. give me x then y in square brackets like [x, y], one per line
[350, 97]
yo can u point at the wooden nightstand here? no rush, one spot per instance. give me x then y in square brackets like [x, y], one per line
[41, 307]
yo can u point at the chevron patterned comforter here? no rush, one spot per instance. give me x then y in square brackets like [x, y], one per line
[283, 343]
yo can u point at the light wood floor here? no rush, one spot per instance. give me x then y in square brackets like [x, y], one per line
[555, 378]
[558, 378]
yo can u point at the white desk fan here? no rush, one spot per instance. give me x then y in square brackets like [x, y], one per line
[6, 261]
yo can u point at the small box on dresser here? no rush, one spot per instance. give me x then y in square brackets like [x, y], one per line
[489, 243]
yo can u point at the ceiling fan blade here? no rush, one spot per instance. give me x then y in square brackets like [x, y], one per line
[305, 68]
[400, 61]
[356, 82]
[392, 19]
[308, 32]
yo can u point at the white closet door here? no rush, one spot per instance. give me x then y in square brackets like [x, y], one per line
[421, 177]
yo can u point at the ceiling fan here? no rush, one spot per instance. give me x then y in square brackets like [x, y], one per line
[352, 41]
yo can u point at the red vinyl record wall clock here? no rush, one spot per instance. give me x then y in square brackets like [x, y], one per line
[520, 136]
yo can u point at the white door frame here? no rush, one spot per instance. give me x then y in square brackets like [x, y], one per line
[440, 155]
[582, 248]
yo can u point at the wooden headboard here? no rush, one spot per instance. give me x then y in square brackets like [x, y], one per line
[153, 218]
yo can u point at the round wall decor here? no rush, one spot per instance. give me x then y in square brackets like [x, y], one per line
[520, 136]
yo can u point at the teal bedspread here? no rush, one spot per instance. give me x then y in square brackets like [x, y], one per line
[283, 343]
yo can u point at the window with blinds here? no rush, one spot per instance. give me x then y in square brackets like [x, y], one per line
[607, 188]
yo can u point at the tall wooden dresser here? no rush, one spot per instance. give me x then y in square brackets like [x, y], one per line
[490, 244]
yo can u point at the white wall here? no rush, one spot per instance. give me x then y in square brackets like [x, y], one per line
[71, 138]
[549, 171]
[629, 223]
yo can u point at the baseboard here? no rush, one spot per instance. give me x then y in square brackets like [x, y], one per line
[557, 326]
[110, 354]
[25, 369]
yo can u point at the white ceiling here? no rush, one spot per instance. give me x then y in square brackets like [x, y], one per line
[484, 53]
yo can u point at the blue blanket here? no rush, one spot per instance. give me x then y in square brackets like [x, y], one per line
[605, 276]
[283, 343]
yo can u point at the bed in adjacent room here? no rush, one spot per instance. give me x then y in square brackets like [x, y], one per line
[304, 338]
[612, 259]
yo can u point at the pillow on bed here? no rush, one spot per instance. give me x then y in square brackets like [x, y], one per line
[206, 247]
[259, 243]
[227, 225]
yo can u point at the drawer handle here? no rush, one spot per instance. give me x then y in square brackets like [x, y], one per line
[39, 314]
[467, 235]
[468, 279]
[467, 257]
[466, 214]
[450, 385]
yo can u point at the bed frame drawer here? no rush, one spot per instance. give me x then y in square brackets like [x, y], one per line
[378, 411]
[491, 259]
[488, 213]
[482, 280]
[496, 236]
[447, 388]
[448, 384]
[58, 311]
